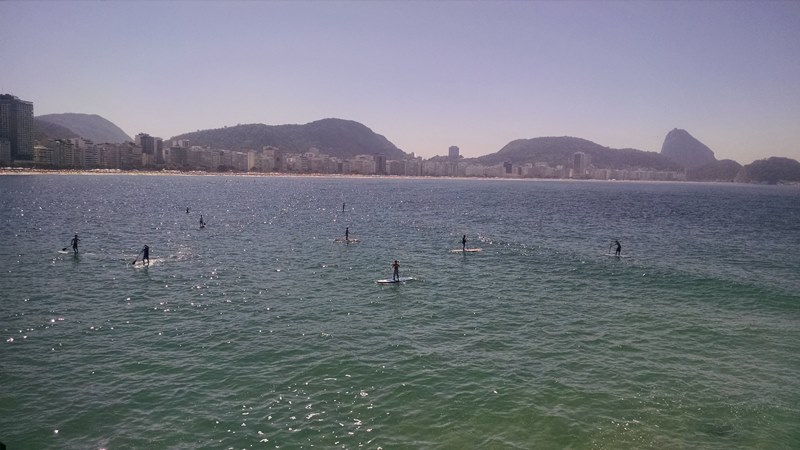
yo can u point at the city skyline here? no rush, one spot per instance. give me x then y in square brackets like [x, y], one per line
[424, 75]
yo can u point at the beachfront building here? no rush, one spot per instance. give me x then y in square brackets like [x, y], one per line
[452, 153]
[475, 170]
[580, 165]
[5, 151]
[360, 165]
[16, 126]
[42, 155]
[413, 166]
[380, 164]
[394, 167]
[239, 161]
[130, 156]
[151, 146]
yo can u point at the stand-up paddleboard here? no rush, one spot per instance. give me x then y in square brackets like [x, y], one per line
[390, 281]
[345, 241]
[468, 250]
[63, 252]
[153, 262]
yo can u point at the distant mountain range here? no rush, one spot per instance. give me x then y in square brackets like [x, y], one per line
[87, 126]
[772, 170]
[724, 170]
[558, 150]
[335, 137]
[347, 138]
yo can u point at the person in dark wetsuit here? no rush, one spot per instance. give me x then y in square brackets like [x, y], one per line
[187, 210]
[464, 243]
[74, 243]
[395, 271]
[343, 206]
[619, 248]
[202, 223]
[146, 255]
[347, 234]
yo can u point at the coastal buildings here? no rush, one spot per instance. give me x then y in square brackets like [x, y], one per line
[83, 154]
[151, 146]
[16, 129]
[150, 153]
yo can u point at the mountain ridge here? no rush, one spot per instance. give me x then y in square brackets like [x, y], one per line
[721, 170]
[335, 137]
[556, 150]
[43, 130]
[772, 170]
[88, 126]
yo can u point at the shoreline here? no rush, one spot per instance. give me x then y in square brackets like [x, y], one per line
[6, 171]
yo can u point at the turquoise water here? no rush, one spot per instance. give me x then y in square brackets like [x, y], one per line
[260, 331]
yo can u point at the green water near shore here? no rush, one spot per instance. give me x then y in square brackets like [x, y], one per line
[260, 331]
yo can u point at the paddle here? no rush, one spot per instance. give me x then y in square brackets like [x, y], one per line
[137, 257]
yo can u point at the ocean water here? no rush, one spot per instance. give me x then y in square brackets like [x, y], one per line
[260, 331]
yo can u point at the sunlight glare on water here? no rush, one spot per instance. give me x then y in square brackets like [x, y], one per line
[261, 330]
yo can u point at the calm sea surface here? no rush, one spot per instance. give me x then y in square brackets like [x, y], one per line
[260, 331]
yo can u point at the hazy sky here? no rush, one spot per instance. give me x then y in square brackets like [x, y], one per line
[424, 74]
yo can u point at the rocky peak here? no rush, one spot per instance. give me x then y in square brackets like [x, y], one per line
[683, 148]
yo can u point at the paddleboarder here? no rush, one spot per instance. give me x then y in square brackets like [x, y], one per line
[146, 255]
[74, 243]
[347, 234]
[202, 223]
[464, 243]
[619, 248]
[395, 271]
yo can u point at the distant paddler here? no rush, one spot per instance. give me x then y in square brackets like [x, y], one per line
[347, 234]
[202, 222]
[145, 254]
[395, 271]
[619, 248]
[464, 243]
[74, 243]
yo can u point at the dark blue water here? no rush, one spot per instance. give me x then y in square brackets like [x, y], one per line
[261, 331]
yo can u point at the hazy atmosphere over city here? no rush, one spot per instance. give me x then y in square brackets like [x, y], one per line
[426, 75]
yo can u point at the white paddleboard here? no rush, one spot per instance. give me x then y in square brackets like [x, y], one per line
[345, 241]
[469, 250]
[390, 281]
[63, 252]
[153, 261]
